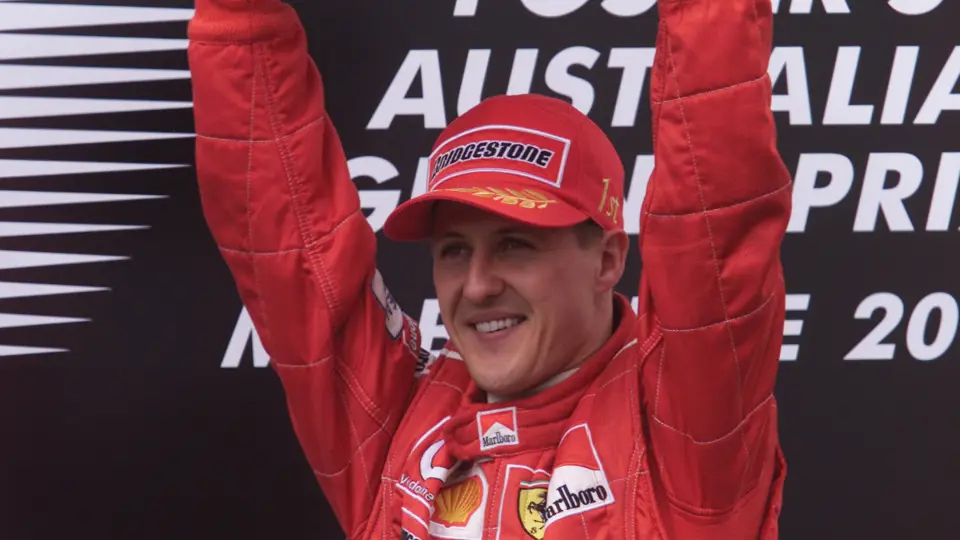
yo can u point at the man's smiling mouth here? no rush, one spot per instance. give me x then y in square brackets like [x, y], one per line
[489, 327]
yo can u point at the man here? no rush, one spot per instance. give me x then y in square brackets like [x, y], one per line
[555, 412]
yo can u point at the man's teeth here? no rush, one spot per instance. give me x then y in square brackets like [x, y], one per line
[500, 324]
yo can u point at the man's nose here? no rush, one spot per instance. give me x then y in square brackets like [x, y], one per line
[483, 282]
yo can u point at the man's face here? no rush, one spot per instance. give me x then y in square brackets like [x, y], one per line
[520, 303]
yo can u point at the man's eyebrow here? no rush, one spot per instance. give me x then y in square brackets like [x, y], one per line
[502, 231]
[517, 229]
[448, 235]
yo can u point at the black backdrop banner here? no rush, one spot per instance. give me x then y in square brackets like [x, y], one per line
[137, 402]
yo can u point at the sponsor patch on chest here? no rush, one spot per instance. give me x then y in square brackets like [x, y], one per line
[407, 535]
[523, 495]
[536, 500]
[578, 490]
[498, 428]
[442, 498]
[578, 483]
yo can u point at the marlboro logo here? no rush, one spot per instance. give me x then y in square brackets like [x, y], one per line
[567, 500]
[578, 483]
[498, 428]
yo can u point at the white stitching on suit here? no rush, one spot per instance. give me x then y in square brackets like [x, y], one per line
[718, 208]
[713, 245]
[265, 141]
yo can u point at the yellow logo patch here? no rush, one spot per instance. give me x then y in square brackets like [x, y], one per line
[455, 504]
[530, 504]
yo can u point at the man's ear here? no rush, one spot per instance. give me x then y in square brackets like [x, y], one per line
[614, 246]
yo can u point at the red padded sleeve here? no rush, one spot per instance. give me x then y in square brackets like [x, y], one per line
[282, 208]
[712, 224]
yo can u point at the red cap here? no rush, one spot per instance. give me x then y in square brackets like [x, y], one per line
[530, 158]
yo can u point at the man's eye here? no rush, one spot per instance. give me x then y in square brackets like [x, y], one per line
[511, 244]
[452, 251]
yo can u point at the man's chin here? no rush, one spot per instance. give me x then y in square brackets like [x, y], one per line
[494, 374]
[498, 366]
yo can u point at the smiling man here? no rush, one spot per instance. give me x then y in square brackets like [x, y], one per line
[525, 226]
[555, 411]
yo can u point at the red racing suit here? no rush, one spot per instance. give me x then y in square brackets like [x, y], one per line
[668, 432]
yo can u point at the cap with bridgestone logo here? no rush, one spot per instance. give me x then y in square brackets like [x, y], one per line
[530, 158]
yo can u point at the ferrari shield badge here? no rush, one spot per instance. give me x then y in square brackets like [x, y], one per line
[530, 505]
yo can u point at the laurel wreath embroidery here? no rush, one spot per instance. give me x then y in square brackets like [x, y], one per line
[524, 198]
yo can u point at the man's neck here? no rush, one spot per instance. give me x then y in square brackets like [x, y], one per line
[493, 398]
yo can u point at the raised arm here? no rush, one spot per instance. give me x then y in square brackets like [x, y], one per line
[286, 216]
[713, 220]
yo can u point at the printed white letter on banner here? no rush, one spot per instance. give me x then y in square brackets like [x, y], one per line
[915, 7]
[465, 8]
[474, 75]
[395, 102]
[642, 169]
[381, 201]
[562, 82]
[635, 62]
[431, 325]
[919, 322]
[793, 326]
[627, 8]
[941, 97]
[553, 8]
[872, 347]
[898, 89]
[559, 8]
[876, 197]
[521, 74]
[244, 333]
[806, 6]
[944, 193]
[790, 62]
[805, 193]
[839, 110]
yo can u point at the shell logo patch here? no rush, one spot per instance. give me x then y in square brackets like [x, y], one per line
[456, 504]
[458, 510]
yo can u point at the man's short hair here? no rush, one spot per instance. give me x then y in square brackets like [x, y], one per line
[588, 233]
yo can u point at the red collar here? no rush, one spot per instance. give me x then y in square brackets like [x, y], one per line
[481, 429]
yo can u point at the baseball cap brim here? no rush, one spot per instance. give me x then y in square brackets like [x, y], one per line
[511, 197]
